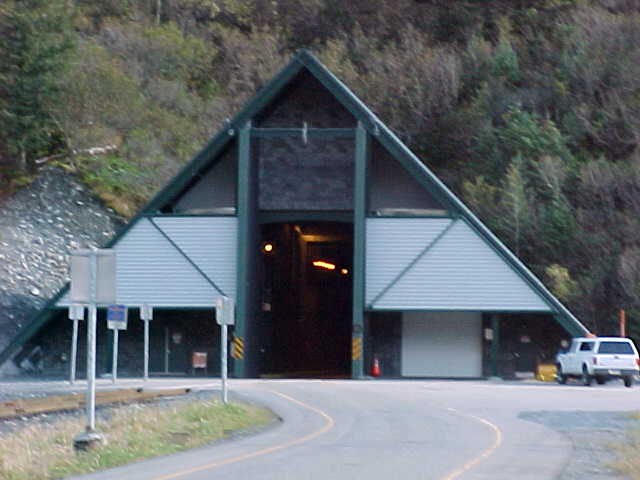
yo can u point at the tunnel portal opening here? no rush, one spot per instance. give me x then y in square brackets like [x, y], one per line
[306, 299]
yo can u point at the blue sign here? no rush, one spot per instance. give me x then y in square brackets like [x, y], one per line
[117, 317]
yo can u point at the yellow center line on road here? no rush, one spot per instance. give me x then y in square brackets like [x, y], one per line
[486, 453]
[329, 423]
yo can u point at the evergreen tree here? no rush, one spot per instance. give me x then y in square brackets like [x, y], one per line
[35, 45]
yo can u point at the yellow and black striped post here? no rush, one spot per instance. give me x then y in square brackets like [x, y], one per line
[356, 348]
[237, 348]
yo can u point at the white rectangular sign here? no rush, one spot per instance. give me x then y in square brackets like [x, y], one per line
[146, 312]
[80, 281]
[76, 312]
[225, 311]
[105, 276]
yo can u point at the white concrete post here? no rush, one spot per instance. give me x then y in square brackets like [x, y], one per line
[146, 314]
[114, 372]
[223, 362]
[74, 352]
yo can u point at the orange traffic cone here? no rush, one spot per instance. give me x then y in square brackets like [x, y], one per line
[375, 368]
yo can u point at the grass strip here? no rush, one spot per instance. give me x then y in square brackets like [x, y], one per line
[628, 461]
[45, 451]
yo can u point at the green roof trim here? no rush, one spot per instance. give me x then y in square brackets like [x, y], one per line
[304, 59]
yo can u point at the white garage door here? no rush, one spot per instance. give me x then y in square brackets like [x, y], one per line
[436, 344]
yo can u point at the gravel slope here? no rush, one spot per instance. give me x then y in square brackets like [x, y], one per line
[39, 226]
[591, 434]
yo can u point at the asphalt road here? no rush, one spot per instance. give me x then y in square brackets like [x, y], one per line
[440, 430]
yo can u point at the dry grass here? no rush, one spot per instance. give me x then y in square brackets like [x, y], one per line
[132, 433]
[628, 461]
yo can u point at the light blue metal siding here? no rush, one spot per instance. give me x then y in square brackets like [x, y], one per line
[459, 271]
[392, 243]
[152, 270]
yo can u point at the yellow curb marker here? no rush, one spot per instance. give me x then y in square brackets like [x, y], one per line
[329, 423]
[488, 452]
[356, 348]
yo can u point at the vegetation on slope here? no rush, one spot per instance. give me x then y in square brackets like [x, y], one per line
[529, 110]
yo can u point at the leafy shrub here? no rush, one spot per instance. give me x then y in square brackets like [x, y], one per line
[98, 103]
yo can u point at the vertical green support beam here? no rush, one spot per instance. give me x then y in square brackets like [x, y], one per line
[243, 205]
[359, 224]
[495, 344]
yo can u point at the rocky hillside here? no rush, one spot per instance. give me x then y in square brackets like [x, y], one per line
[39, 227]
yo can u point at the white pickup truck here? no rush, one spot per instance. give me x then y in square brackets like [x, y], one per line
[599, 358]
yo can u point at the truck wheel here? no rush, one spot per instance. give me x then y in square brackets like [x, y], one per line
[628, 381]
[601, 380]
[560, 376]
[586, 378]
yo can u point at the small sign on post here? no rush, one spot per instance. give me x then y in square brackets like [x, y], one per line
[146, 315]
[199, 360]
[116, 321]
[117, 317]
[225, 311]
[146, 311]
[93, 281]
[76, 312]
[225, 315]
[99, 265]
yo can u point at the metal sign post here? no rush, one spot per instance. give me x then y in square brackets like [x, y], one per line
[114, 359]
[146, 314]
[76, 312]
[91, 347]
[223, 362]
[225, 313]
[116, 321]
[74, 352]
[93, 274]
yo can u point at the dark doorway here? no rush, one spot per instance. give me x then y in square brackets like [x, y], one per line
[306, 299]
[176, 334]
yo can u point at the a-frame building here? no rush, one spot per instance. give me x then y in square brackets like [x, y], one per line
[337, 244]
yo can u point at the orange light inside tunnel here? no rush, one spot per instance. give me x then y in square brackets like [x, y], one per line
[344, 271]
[325, 265]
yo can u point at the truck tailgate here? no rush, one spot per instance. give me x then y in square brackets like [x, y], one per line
[616, 361]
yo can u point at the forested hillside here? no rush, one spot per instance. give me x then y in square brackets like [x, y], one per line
[528, 109]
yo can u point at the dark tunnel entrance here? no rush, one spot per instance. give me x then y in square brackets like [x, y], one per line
[306, 299]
